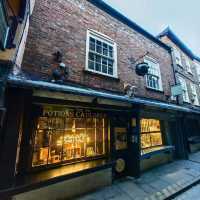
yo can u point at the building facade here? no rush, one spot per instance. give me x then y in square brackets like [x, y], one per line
[81, 110]
[186, 68]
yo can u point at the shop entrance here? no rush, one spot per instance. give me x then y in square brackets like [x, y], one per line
[123, 146]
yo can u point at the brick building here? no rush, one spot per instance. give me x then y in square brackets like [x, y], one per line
[186, 68]
[83, 113]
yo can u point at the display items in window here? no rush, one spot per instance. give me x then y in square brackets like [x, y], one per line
[151, 135]
[63, 137]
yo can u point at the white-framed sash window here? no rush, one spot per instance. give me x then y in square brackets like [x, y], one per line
[185, 90]
[198, 71]
[188, 65]
[101, 54]
[177, 56]
[153, 78]
[195, 99]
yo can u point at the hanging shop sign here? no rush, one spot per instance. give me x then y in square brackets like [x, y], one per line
[176, 90]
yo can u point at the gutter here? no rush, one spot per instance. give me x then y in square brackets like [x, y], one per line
[31, 84]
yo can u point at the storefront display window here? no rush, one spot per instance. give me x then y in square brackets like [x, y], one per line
[67, 135]
[151, 136]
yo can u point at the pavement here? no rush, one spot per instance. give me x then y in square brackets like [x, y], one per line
[193, 193]
[162, 182]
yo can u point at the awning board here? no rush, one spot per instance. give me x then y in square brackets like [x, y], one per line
[95, 93]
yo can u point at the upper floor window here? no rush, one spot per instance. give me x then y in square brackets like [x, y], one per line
[101, 55]
[188, 65]
[185, 90]
[153, 79]
[198, 71]
[177, 56]
[3, 26]
[195, 99]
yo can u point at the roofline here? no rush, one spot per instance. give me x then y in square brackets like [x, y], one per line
[169, 33]
[119, 16]
[197, 58]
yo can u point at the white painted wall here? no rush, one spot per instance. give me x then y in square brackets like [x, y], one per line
[20, 53]
[32, 4]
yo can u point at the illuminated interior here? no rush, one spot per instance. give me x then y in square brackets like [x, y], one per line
[151, 136]
[61, 139]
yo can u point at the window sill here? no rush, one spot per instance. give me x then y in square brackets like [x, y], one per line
[154, 90]
[152, 151]
[101, 75]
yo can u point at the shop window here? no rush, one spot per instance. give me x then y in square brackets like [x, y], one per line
[153, 79]
[151, 136]
[67, 135]
[3, 26]
[101, 54]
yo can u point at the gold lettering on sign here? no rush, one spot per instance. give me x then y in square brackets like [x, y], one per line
[71, 113]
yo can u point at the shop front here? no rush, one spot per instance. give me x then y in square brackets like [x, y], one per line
[67, 143]
[156, 140]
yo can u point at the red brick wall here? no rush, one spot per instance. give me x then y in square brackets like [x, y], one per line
[62, 25]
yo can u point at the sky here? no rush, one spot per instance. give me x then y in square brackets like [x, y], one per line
[182, 16]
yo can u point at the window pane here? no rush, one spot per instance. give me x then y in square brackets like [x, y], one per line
[110, 70]
[98, 59]
[156, 139]
[91, 65]
[56, 144]
[104, 69]
[97, 67]
[111, 51]
[91, 56]
[68, 145]
[92, 44]
[99, 47]
[145, 141]
[100, 142]
[41, 148]
[105, 49]
[91, 146]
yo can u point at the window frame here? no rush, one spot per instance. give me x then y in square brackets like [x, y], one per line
[35, 129]
[194, 94]
[148, 59]
[149, 133]
[198, 71]
[188, 65]
[185, 94]
[4, 40]
[103, 38]
[177, 56]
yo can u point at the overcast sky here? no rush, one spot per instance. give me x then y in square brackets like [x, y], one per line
[183, 17]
